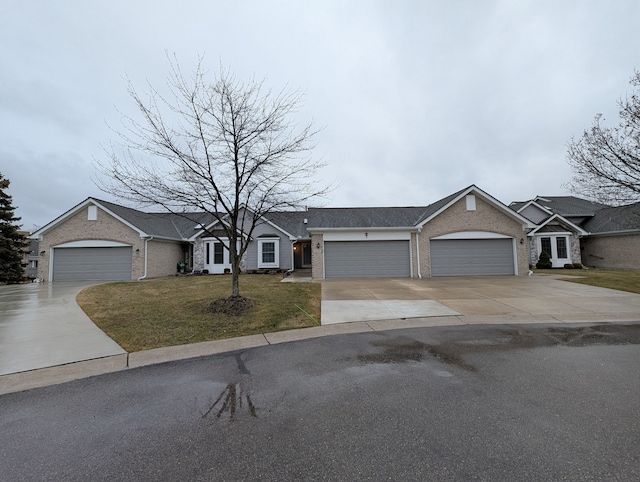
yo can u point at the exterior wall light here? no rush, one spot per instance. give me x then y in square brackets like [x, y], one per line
[318, 245]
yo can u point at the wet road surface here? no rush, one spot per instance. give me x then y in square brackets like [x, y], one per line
[501, 402]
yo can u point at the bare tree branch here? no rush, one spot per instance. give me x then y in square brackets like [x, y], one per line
[223, 147]
[606, 160]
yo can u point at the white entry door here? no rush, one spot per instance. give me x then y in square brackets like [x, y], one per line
[216, 257]
[558, 248]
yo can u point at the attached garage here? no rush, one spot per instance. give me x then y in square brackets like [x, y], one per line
[111, 263]
[367, 259]
[467, 257]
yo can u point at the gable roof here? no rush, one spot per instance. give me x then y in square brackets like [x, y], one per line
[438, 207]
[160, 225]
[559, 220]
[295, 224]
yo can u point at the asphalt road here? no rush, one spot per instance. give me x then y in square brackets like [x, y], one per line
[448, 403]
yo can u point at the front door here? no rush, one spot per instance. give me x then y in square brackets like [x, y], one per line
[558, 248]
[302, 255]
[216, 257]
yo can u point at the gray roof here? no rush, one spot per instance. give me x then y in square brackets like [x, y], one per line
[291, 221]
[611, 219]
[376, 217]
[568, 205]
[165, 225]
[181, 227]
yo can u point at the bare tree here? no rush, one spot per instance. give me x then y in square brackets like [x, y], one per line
[606, 160]
[223, 147]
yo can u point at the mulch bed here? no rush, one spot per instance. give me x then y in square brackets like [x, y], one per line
[233, 306]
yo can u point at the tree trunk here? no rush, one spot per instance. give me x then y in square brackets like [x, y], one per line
[235, 275]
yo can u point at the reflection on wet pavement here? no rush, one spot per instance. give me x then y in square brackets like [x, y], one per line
[403, 349]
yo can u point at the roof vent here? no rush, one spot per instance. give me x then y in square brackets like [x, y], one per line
[306, 220]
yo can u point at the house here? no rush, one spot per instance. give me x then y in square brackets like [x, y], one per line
[466, 233]
[30, 256]
[574, 230]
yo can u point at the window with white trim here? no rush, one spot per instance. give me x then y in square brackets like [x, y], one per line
[92, 213]
[269, 253]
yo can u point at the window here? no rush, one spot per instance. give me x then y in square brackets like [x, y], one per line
[92, 213]
[218, 253]
[268, 253]
[546, 245]
[561, 245]
[207, 250]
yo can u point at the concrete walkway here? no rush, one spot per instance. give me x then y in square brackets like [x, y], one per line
[41, 325]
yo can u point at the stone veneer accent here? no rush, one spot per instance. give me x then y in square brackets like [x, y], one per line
[485, 218]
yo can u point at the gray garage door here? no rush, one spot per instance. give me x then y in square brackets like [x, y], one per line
[461, 257]
[92, 264]
[368, 259]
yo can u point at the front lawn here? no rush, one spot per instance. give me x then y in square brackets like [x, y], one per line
[616, 279]
[173, 311]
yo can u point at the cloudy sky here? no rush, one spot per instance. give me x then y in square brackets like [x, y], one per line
[418, 98]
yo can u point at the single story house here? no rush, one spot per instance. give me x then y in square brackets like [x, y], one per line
[466, 233]
[574, 230]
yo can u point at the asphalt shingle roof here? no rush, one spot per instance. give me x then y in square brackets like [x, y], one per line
[611, 219]
[165, 225]
[569, 205]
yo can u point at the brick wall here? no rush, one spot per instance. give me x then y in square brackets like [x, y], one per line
[317, 257]
[485, 218]
[619, 251]
[162, 258]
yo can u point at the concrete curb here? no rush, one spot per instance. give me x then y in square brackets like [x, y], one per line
[17, 382]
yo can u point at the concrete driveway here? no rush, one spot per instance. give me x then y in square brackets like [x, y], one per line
[473, 300]
[41, 325]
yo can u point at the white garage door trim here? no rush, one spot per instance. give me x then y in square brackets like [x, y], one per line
[91, 263]
[471, 257]
[367, 259]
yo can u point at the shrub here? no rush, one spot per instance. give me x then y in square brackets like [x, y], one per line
[544, 262]
[577, 265]
[568, 266]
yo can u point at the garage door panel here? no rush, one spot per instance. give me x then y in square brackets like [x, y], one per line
[367, 259]
[92, 264]
[464, 257]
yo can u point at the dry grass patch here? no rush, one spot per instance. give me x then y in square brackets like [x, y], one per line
[174, 311]
[616, 279]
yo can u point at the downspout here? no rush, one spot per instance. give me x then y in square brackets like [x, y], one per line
[146, 240]
[418, 252]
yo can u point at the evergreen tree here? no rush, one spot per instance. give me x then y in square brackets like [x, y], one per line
[12, 243]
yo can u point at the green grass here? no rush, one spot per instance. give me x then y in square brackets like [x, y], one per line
[173, 311]
[617, 279]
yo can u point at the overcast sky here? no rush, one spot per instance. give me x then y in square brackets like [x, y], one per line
[418, 98]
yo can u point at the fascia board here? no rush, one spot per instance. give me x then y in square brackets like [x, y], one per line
[123, 221]
[411, 229]
[201, 231]
[486, 197]
[577, 229]
[534, 203]
[275, 226]
[74, 210]
[614, 233]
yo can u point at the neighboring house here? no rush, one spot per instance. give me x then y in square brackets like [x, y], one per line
[466, 233]
[574, 230]
[30, 256]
